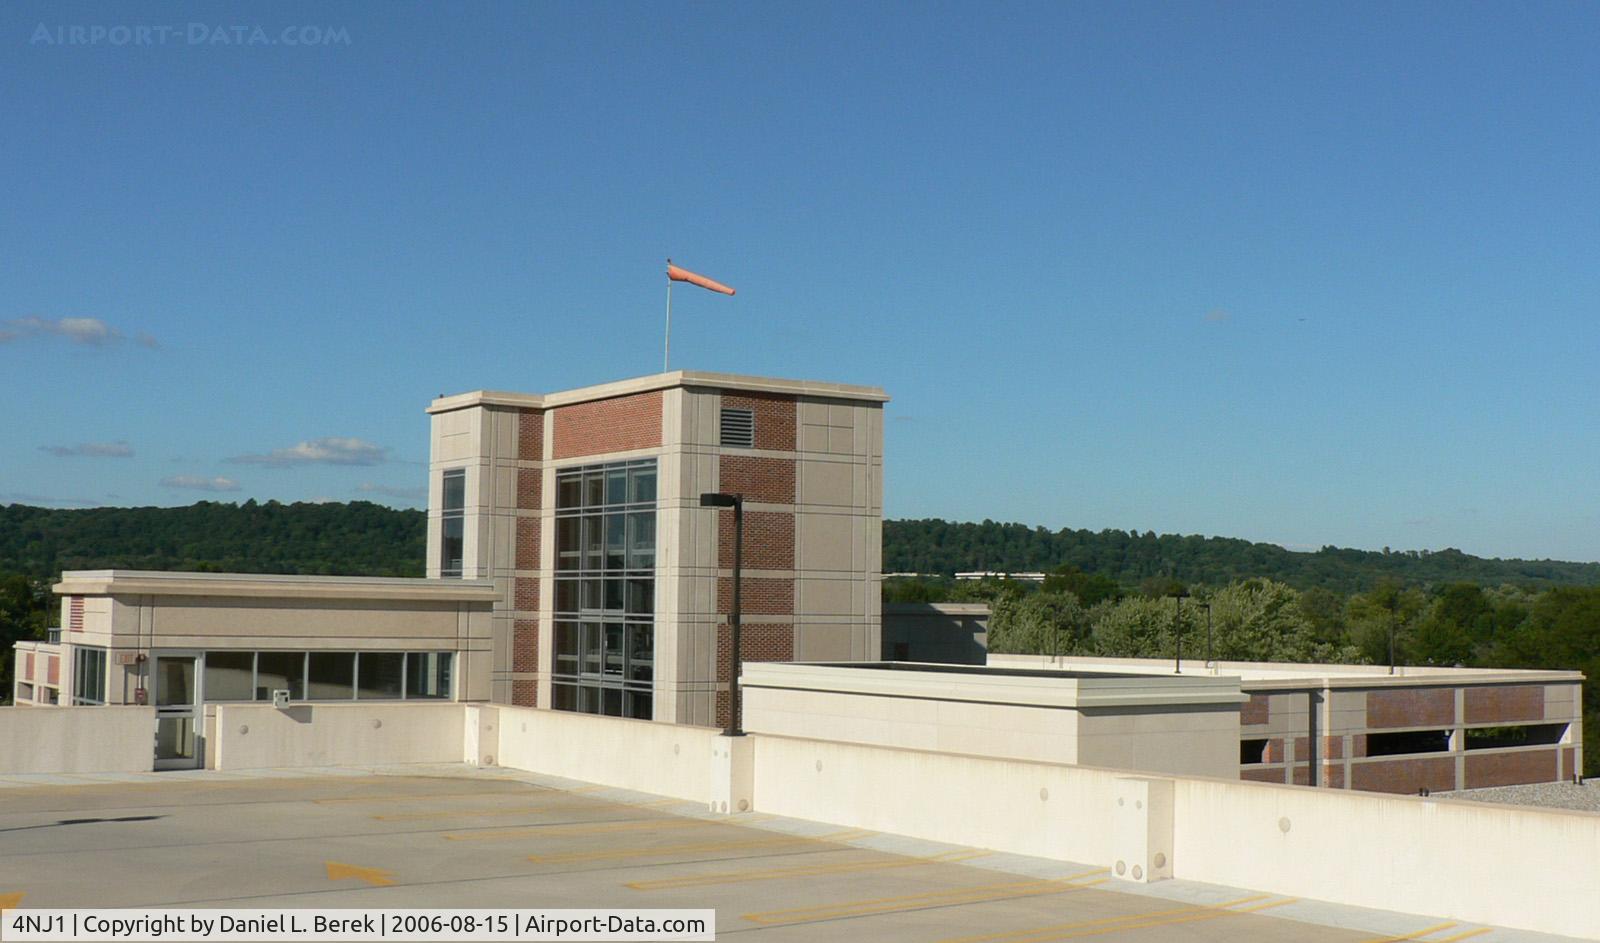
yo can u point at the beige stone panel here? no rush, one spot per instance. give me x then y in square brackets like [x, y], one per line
[507, 423]
[812, 412]
[824, 597]
[841, 440]
[827, 483]
[875, 432]
[813, 438]
[673, 402]
[841, 415]
[254, 624]
[819, 642]
[824, 541]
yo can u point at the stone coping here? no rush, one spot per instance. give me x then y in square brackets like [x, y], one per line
[271, 586]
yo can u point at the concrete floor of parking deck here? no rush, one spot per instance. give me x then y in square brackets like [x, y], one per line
[456, 837]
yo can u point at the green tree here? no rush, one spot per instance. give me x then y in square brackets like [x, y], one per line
[1091, 589]
[1042, 623]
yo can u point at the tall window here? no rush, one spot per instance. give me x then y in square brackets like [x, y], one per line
[88, 675]
[605, 589]
[453, 509]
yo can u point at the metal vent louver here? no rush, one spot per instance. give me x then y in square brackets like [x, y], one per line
[739, 428]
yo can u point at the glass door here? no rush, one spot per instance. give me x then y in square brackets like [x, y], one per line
[177, 711]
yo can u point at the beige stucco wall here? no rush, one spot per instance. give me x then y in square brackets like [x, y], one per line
[259, 736]
[663, 759]
[1163, 724]
[77, 739]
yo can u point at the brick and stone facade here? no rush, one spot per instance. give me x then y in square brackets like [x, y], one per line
[812, 486]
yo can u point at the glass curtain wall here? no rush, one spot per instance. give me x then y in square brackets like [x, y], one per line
[605, 589]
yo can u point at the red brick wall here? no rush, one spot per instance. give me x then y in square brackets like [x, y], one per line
[774, 415]
[530, 435]
[608, 425]
[1302, 775]
[1510, 769]
[768, 540]
[1504, 703]
[75, 613]
[1262, 775]
[1253, 711]
[1569, 762]
[1333, 777]
[27, 671]
[1332, 748]
[530, 484]
[1302, 749]
[52, 669]
[1415, 707]
[525, 646]
[527, 543]
[759, 596]
[767, 480]
[1274, 751]
[525, 594]
[525, 693]
[1436, 774]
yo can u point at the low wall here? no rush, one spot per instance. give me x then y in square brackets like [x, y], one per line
[1041, 809]
[77, 739]
[258, 736]
[664, 759]
[1515, 867]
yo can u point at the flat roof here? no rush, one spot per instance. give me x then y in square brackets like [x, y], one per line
[271, 585]
[660, 381]
[1023, 686]
[1260, 675]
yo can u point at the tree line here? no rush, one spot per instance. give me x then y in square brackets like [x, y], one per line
[1454, 624]
[941, 548]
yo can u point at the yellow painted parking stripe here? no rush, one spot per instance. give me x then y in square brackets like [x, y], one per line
[949, 896]
[1051, 931]
[1462, 936]
[583, 828]
[554, 803]
[696, 847]
[774, 874]
[425, 796]
[1425, 931]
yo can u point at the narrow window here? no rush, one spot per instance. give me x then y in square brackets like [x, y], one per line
[88, 675]
[452, 522]
[739, 428]
[1252, 752]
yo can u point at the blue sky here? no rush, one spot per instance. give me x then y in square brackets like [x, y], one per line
[1298, 273]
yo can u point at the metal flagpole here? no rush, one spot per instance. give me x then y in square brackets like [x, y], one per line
[666, 351]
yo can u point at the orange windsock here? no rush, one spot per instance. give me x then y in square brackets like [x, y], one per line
[684, 275]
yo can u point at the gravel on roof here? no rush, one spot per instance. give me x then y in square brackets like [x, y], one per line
[1584, 798]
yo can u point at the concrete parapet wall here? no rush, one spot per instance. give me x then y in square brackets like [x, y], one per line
[664, 759]
[1514, 867]
[258, 736]
[77, 739]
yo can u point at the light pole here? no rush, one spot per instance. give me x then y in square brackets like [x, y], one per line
[1210, 661]
[1177, 630]
[714, 499]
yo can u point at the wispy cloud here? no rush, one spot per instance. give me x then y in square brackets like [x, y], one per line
[393, 491]
[90, 332]
[329, 450]
[200, 483]
[44, 500]
[90, 450]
